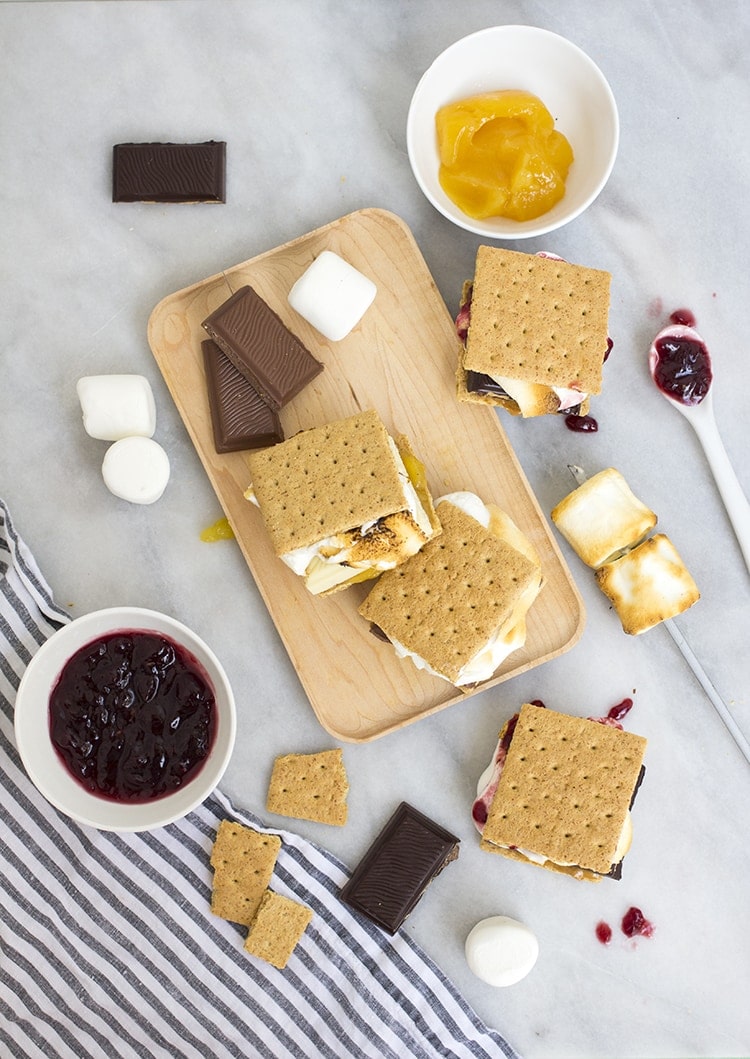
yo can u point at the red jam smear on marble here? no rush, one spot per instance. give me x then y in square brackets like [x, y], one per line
[604, 932]
[634, 922]
[132, 716]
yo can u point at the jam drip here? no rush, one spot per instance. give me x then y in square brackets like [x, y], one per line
[132, 716]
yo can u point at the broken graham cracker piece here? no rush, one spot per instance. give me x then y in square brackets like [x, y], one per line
[310, 787]
[536, 322]
[277, 927]
[564, 794]
[465, 589]
[243, 861]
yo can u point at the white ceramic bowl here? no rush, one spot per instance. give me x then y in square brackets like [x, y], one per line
[42, 762]
[567, 81]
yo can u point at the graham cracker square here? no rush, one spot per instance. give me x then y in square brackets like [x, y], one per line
[565, 790]
[310, 787]
[243, 861]
[276, 929]
[648, 584]
[326, 480]
[446, 602]
[538, 320]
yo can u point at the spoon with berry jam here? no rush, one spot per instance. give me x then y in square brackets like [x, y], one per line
[680, 365]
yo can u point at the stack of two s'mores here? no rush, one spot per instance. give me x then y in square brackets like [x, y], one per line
[346, 503]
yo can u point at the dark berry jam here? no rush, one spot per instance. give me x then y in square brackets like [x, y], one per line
[682, 367]
[604, 932]
[581, 424]
[634, 922]
[682, 316]
[622, 709]
[132, 716]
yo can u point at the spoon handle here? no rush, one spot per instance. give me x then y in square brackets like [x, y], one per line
[729, 487]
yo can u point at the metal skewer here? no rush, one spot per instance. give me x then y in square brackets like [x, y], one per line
[697, 669]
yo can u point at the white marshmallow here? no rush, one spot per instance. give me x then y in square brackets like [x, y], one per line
[332, 295]
[117, 406]
[501, 951]
[136, 469]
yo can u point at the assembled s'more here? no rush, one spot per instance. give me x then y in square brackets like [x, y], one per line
[342, 502]
[458, 608]
[560, 791]
[534, 330]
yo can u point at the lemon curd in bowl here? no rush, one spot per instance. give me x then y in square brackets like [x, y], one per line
[501, 155]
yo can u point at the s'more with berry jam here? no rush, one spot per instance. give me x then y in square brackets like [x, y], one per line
[534, 333]
[458, 608]
[342, 502]
[559, 791]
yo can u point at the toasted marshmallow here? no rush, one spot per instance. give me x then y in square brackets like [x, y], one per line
[648, 584]
[602, 518]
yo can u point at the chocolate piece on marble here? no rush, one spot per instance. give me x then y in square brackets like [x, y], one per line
[241, 419]
[169, 172]
[399, 866]
[262, 347]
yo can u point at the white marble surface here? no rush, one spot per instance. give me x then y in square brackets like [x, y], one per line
[312, 99]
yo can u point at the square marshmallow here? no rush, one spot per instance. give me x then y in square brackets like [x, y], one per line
[117, 406]
[332, 295]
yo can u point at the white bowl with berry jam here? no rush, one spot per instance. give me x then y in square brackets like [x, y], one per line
[520, 59]
[125, 719]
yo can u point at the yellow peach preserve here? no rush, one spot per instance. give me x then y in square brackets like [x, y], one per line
[501, 156]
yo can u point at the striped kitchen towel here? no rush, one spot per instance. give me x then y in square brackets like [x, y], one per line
[108, 947]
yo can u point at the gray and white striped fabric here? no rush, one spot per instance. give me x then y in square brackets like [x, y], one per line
[108, 947]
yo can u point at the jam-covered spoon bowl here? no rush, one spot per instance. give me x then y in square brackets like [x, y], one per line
[680, 366]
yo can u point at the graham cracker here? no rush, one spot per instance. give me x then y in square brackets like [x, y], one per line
[538, 320]
[326, 480]
[648, 584]
[446, 602]
[243, 861]
[276, 929]
[310, 787]
[564, 792]
[603, 518]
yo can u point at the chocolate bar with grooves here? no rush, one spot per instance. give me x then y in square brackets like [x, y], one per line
[240, 417]
[399, 866]
[169, 172]
[262, 347]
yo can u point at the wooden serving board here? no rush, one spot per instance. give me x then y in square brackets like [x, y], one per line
[400, 360]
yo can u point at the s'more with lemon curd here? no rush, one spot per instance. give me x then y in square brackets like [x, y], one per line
[458, 608]
[342, 502]
[534, 332]
[560, 793]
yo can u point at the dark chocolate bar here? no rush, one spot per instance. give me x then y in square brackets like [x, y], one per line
[240, 417]
[261, 347]
[399, 866]
[169, 172]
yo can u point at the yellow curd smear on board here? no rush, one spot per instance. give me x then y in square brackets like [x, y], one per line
[219, 531]
[501, 156]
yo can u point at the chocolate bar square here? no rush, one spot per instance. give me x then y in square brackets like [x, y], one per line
[241, 419]
[399, 866]
[169, 172]
[261, 347]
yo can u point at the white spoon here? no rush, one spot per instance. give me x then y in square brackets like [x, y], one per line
[689, 379]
